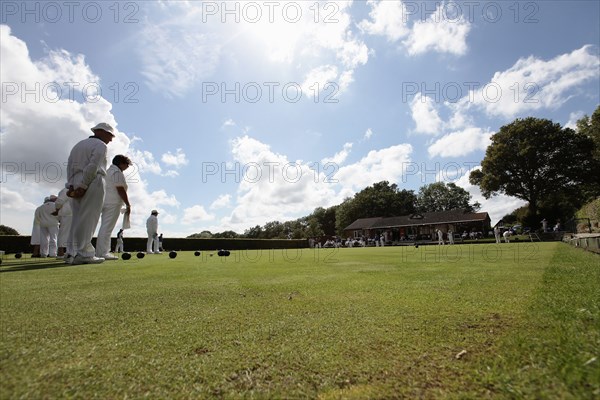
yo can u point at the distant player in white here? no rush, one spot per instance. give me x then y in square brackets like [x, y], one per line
[450, 237]
[152, 230]
[497, 234]
[440, 236]
[114, 198]
[65, 220]
[45, 214]
[35, 237]
[507, 236]
[86, 170]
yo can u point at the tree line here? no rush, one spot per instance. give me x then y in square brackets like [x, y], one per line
[380, 200]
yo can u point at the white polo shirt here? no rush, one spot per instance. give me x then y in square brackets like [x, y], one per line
[86, 161]
[114, 178]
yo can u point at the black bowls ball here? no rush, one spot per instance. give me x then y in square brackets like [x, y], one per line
[141, 254]
[197, 253]
[126, 256]
[18, 255]
[223, 253]
[172, 254]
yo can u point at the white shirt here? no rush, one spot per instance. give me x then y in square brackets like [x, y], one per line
[43, 214]
[114, 178]
[87, 159]
[152, 225]
[63, 204]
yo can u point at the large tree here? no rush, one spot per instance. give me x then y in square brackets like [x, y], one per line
[591, 128]
[379, 200]
[440, 196]
[534, 159]
[7, 230]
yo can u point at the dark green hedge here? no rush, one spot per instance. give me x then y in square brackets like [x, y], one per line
[15, 244]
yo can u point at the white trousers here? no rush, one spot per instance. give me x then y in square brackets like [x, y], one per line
[64, 230]
[86, 212]
[35, 234]
[152, 246]
[120, 247]
[48, 240]
[110, 216]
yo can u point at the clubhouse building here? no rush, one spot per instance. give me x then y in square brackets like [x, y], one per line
[420, 226]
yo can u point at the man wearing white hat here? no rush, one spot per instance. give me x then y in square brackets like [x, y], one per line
[86, 170]
[152, 229]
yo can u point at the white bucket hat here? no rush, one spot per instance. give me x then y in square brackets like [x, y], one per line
[104, 127]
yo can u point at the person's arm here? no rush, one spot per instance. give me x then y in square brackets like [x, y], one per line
[123, 195]
[91, 169]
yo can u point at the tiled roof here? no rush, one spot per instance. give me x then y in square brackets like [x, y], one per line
[363, 223]
[430, 218]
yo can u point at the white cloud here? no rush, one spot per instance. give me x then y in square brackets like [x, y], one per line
[175, 160]
[388, 18]
[318, 82]
[229, 122]
[438, 33]
[368, 134]
[144, 162]
[196, 214]
[12, 200]
[460, 143]
[442, 35]
[425, 115]
[573, 118]
[376, 166]
[178, 53]
[340, 156]
[223, 201]
[534, 84]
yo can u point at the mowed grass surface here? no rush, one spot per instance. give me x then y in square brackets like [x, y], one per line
[329, 324]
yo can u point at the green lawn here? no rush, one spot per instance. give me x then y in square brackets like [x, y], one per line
[519, 320]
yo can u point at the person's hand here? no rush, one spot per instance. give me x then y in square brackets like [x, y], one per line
[76, 193]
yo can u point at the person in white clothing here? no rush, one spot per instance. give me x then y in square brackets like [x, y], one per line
[114, 198]
[450, 237]
[506, 235]
[440, 236]
[65, 217]
[152, 229]
[86, 170]
[35, 237]
[497, 235]
[48, 221]
[120, 247]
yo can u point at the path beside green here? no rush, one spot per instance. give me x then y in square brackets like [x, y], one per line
[454, 321]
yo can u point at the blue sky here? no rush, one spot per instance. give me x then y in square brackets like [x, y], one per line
[242, 112]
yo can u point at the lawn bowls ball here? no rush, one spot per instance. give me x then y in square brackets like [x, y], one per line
[126, 256]
[197, 253]
[173, 254]
[141, 254]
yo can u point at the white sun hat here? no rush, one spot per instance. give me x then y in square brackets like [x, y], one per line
[103, 126]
